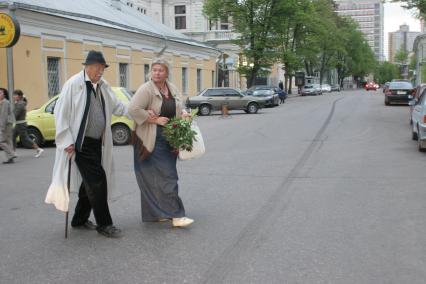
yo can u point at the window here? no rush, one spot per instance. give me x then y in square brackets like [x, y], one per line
[146, 72]
[184, 80]
[213, 93]
[213, 79]
[51, 107]
[123, 69]
[180, 17]
[199, 87]
[53, 76]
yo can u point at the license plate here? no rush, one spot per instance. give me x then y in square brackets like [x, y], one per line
[400, 93]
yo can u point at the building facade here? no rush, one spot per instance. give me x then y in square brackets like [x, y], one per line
[57, 35]
[187, 16]
[401, 39]
[369, 14]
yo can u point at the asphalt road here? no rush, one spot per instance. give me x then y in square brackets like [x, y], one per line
[326, 189]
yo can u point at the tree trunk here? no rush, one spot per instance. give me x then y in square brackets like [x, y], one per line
[290, 85]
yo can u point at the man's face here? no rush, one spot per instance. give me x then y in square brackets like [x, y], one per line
[16, 98]
[95, 71]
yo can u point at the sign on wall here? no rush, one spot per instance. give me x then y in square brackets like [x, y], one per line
[9, 30]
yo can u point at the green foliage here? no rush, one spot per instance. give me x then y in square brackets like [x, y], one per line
[401, 56]
[252, 20]
[385, 72]
[179, 134]
[419, 5]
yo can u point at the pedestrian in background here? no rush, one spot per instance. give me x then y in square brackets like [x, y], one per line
[20, 111]
[281, 85]
[6, 126]
[83, 130]
[153, 105]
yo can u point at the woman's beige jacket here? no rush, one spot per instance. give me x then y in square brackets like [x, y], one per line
[148, 97]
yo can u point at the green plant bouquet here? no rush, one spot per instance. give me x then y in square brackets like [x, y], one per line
[179, 134]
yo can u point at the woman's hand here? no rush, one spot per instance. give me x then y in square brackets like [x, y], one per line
[152, 116]
[162, 120]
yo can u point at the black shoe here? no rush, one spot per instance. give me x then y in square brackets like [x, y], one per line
[88, 225]
[10, 161]
[110, 231]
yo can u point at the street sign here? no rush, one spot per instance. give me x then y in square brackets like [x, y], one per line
[9, 30]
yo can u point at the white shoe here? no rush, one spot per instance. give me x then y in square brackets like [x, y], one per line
[39, 152]
[182, 222]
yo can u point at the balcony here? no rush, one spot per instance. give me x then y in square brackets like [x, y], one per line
[213, 36]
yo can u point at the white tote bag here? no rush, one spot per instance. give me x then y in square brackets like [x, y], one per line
[198, 148]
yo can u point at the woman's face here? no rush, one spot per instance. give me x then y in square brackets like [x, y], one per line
[159, 73]
[1, 95]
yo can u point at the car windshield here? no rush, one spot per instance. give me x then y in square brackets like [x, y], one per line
[263, 93]
[400, 85]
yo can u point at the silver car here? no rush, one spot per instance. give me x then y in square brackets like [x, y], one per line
[418, 117]
[214, 98]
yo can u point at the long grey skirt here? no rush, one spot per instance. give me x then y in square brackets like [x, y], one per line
[158, 181]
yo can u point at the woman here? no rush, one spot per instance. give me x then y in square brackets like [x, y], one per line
[6, 126]
[153, 105]
[20, 112]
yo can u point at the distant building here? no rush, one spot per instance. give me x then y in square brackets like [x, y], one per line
[57, 35]
[401, 39]
[369, 14]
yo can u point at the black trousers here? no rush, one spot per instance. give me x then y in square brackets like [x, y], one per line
[93, 189]
[21, 131]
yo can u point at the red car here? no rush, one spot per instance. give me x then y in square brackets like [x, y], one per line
[371, 86]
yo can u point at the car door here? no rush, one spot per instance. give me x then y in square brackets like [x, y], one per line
[234, 99]
[417, 113]
[214, 97]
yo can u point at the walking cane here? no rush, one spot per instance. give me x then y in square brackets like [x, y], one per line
[68, 185]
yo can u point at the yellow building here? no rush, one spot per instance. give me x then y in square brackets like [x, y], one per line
[56, 36]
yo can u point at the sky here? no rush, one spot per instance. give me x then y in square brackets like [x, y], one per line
[395, 16]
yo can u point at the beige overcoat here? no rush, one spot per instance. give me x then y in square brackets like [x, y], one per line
[148, 97]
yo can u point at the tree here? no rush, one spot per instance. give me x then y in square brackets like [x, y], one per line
[385, 72]
[420, 5]
[252, 20]
[401, 56]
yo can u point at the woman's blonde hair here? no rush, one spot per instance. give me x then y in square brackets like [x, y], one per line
[162, 62]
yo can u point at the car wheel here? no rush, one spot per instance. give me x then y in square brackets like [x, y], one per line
[205, 110]
[386, 102]
[35, 135]
[120, 134]
[252, 108]
[419, 142]
[414, 135]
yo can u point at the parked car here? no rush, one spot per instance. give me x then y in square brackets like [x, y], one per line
[399, 92]
[335, 88]
[41, 123]
[214, 98]
[418, 118]
[267, 94]
[371, 86]
[277, 91]
[311, 90]
[326, 88]
[420, 89]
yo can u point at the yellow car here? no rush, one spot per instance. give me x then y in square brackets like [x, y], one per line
[41, 123]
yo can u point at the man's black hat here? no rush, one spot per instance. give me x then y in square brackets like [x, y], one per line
[95, 57]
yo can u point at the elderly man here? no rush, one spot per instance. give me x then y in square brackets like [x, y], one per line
[84, 146]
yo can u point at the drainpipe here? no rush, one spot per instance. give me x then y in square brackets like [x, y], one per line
[162, 11]
[9, 54]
